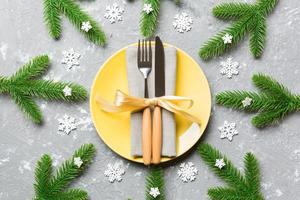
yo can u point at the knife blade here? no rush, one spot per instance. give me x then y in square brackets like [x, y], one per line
[159, 68]
[159, 91]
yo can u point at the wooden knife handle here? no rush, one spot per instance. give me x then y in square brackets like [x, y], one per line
[157, 135]
[146, 136]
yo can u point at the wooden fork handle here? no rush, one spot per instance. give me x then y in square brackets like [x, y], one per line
[146, 136]
[157, 135]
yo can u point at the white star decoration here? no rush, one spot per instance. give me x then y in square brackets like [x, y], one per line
[187, 172]
[247, 102]
[147, 8]
[114, 13]
[67, 91]
[78, 162]
[67, 124]
[86, 26]
[228, 130]
[227, 38]
[183, 22]
[220, 163]
[154, 192]
[70, 58]
[229, 68]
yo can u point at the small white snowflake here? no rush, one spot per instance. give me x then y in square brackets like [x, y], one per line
[78, 162]
[247, 102]
[147, 8]
[183, 22]
[228, 130]
[67, 91]
[114, 13]
[114, 172]
[70, 58]
[229, 68]
[86, 26]
[67, 124]
[227, 38]
[154, 192]
[187, 172]
[220, 163]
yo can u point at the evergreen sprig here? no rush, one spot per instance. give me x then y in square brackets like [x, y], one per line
[272, 103]
[148, 22]
[52, 11]
[48, 187]
[247, 18]
[240, 187]
[23, 86]
[155, 179]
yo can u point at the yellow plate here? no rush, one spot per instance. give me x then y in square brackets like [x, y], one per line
[114, 129]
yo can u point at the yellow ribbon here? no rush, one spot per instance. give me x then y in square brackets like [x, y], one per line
[127, 103]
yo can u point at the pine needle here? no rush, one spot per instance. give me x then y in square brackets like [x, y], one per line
[273, 102]
[153, 180]
[52, 11]
[248, 18]
[55, 187]
[23, 86]
[240, 186]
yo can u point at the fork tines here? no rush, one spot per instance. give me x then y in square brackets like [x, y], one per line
[144, 53]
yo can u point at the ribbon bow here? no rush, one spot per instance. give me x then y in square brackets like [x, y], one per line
[127, 103]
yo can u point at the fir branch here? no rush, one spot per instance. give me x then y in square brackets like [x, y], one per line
[33, 69]
[149, 21]
[42, 175]
[153, 180]
[273, 102]
[258, 37]
[230, 11]
[229, 174]
[72, 194]
[23, 86]
[248, 18]
[28, 106]
[240, 187]
[52, 18]
[52, 10]
[55, 187]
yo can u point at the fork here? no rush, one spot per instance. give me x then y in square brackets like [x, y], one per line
[144, 62]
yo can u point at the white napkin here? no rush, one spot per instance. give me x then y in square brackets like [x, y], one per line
[136, 88]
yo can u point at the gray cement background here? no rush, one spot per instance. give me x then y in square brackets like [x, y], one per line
[23, 35]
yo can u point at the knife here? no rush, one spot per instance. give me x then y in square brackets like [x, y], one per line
[159, 91]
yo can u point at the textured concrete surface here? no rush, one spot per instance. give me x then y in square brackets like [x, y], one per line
[23, 35]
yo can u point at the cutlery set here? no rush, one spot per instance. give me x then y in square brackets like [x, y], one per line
[152, 129]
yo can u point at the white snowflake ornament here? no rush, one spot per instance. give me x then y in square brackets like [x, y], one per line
[67, 124]
[154, 192]
[229, 68]
[77, 161]
[86, 26]
[114, 172]
[228, 130]
[114, 13]
[70, 58]
[183, 22]
[247, 102]
[227, 38]
[67, 91]
[187, 172]
[220, 163]
[147, 8]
